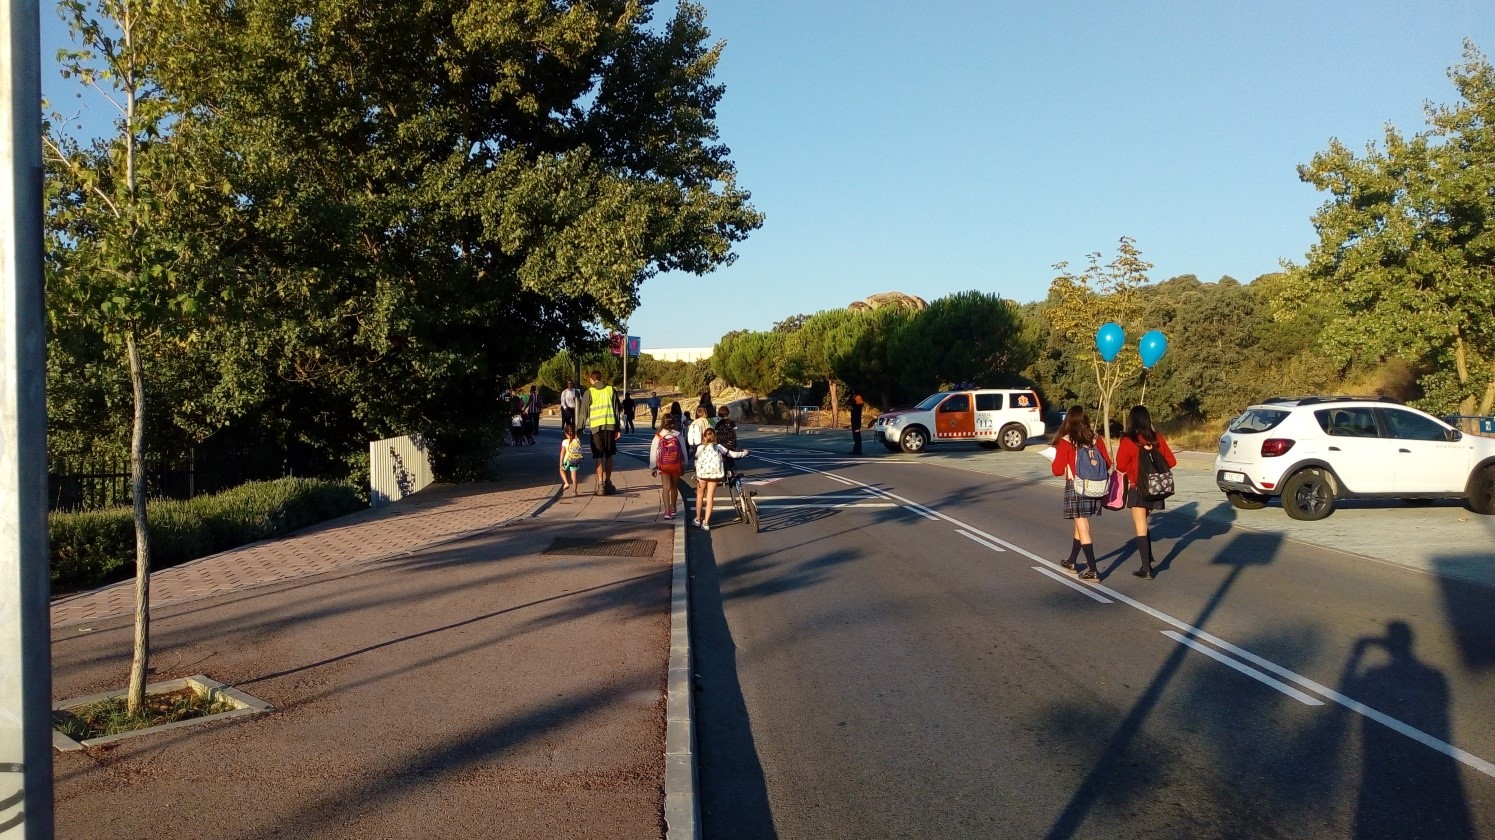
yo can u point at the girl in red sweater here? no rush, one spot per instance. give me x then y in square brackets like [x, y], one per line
[1075, 433]
[1139, 441]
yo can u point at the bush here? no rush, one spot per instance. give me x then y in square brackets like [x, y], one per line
[98, 546]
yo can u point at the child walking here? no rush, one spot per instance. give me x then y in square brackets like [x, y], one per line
[570, 459]
[726, 435]
[710, 470]
[667, 461]
[1074, 440]
[1141, 450]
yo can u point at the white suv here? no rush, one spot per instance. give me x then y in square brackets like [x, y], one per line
[992, 417]
[1312, 451]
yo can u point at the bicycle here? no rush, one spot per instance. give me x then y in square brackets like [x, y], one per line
[742, 500]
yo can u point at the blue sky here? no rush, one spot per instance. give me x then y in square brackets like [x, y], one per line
[935, 147]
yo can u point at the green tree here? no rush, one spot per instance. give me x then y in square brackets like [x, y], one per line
[1407, 245]
[1079, 304]
[122, 262]
[968, 336]
[432, 199]
[754, 361]
[817, 350]
[870, 363]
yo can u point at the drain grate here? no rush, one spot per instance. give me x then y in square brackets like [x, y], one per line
[602, 548]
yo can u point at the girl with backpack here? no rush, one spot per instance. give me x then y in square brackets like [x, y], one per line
[1079, 456]
[570, 459]
[711, 460]
[698, 425]
[1144, 457]
[667, 461]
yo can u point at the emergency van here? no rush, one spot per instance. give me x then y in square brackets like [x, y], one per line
[991, 417]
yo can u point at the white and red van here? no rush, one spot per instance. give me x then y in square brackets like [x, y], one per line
[992, 417]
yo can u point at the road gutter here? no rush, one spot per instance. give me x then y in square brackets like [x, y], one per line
[682, 809]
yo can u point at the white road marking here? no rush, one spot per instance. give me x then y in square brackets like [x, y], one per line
[769, 502]
[1465, 757]
[1244, 669]
[972, 537]
[1087, 591]
[922, 511]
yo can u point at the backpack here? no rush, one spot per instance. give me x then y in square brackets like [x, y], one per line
[1157, 481]
[1090, 472]
[709, 462]
[726, 433]
[670, 458]
[573, 451]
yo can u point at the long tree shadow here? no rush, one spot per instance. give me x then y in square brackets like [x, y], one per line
[1113, 773]
[735, 802]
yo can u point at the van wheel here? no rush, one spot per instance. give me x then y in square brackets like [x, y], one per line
[1482, 491]
[1308, 495]
[1013, 438]
[914, 440]
[1246, 501]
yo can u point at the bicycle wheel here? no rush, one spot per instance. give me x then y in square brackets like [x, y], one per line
[734, 487]
[750, 509]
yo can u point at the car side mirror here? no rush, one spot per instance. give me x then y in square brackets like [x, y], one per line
[1454, 435]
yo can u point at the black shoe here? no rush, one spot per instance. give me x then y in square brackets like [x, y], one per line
[608, 489]
[1146, 574]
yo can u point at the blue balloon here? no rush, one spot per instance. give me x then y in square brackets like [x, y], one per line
[1108, 340]
[1151, 347]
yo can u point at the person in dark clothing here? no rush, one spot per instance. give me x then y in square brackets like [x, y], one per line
[653, 404]
[706, 403]
[726, 435]
[856, 422]
[628, 406]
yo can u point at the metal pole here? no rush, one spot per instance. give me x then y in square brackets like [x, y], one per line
[25, 621]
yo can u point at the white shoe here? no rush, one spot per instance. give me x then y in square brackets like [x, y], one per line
[696, 522]
[706, 526]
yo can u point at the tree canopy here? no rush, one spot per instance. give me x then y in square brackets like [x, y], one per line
[1406, 248]
[415, 203]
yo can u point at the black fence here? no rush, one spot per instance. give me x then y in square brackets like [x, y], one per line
[1472, 424]
[90, 482]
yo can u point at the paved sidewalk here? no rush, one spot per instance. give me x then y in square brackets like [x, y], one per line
[448, 666]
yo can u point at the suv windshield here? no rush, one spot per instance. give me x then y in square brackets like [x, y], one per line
[1257, 420]
[931, 401]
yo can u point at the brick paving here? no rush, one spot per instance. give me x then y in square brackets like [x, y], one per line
[438, 514]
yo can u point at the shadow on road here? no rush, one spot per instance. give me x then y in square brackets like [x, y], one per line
[1116, 776]
[1406, 790]
[735, 804]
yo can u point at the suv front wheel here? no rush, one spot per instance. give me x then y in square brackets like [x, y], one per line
[1308, 495]
[913, 440]
[1482, 491]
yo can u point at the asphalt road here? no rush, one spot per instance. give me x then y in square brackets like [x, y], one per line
[897, 654]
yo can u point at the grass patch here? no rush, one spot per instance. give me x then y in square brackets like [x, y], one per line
[110, 717]
[1194, 435]
[95, 547]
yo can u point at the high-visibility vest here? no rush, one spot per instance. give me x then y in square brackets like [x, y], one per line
[602, 412]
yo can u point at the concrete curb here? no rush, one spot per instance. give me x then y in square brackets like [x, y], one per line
[682, 809]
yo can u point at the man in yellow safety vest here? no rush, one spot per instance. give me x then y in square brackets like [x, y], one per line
[599, 410]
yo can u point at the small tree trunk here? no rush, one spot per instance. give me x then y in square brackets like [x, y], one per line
[1488, 402]
[835, 404]
[136, 696]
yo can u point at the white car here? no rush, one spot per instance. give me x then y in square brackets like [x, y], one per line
[992, 417]
[1313, 451]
